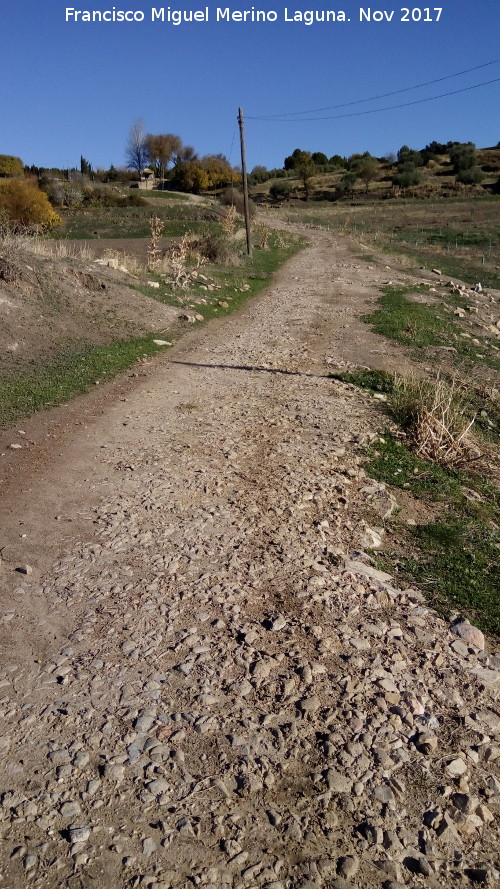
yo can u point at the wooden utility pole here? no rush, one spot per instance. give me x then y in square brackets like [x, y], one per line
[245, 182]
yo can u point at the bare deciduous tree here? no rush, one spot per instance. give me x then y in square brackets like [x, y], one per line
[136, 151]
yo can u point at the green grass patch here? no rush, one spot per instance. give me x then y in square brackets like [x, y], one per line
[455, 267]
[460, 235]
[455, 559]
[410, 323]
[420, 327]
[164, 194]
[374, 380]
[395, 464]
[73, 373]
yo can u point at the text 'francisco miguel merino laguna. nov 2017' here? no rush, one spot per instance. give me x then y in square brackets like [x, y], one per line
[168, 15]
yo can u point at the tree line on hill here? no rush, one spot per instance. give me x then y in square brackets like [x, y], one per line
[28, 194]
[408, 164]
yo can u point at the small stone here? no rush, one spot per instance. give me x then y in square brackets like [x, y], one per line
[144, 724]
[348, 866]
[159, 785]
[460, 648]
[70, 809]
[59, 757]
[242, 689]
[456, 768]
[148, 846]
[79, 834]
[30, 862]
[309, 705]
[114, 772]
[24, 569]
[485, 814]
[81, 759]
[337, 782]
[391, 868]
[425, 742]
[93, 786]
[491, 753]
[279, 623]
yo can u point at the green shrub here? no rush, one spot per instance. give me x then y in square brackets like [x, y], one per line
[406, 176]
[463, 156]
[409, 156]
[280, 190]
[470, 176]
[232, 197]
[213, 246]
[346, 185]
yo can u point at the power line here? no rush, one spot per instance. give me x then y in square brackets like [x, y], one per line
[378, 110]
[232, 143]
[374, 98]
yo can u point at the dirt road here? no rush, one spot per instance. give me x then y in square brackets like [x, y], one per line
[204, 680]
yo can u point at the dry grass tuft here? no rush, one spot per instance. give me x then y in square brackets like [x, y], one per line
[435, 418]
[24, 242]
[123, 262]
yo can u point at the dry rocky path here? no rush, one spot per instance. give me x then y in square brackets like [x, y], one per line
[205, 682]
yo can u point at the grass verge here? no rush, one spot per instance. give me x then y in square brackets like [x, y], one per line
[454, 555]
[421, 327]
[454, 559]
[133, 222]
[234, 283]
[74, 373]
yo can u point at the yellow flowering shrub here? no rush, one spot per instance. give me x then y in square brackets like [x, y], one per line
[24, 205]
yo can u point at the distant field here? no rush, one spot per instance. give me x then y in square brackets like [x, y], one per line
[133, 222]
[461, 236]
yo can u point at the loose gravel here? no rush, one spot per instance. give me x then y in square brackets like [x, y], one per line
[243, 700]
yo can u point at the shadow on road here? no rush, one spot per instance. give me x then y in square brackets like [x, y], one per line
[269, 370]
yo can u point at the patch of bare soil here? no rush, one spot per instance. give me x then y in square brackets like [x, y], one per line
[48, 305]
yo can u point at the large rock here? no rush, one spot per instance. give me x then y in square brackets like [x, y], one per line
[471, 635]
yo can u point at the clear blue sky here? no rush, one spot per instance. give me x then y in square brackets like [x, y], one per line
[69, 88]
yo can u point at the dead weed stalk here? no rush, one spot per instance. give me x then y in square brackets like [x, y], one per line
[178, 263]
[156, 226]
[228, 221]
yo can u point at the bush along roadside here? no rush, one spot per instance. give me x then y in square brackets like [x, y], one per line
[452, 549]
